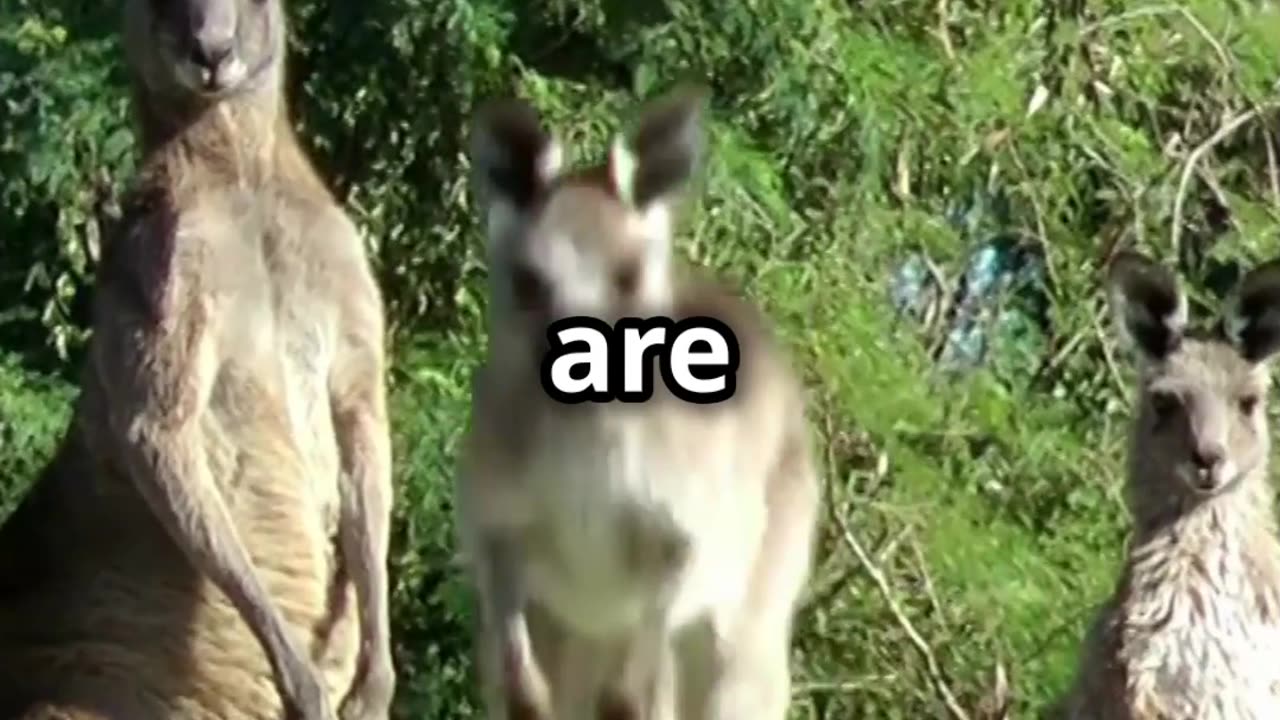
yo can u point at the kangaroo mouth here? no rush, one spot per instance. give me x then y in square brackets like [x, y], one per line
[237, 72]
[1211, 484]
[230, 77]
[226, 76]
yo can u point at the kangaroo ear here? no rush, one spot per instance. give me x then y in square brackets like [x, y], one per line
[1149, 307]
[513, 157]
[658, 156]
[1252, 316]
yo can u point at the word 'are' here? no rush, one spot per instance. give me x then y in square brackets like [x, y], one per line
[590, 361]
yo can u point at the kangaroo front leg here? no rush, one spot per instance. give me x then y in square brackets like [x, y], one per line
[644, 687]
[516, 685]
[754, 683]
[752, 643]
[358, 398]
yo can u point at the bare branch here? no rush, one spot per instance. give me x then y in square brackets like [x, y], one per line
[932, 666]
[1193, 158]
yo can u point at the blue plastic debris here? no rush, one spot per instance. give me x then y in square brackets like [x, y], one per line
[997, 312]
[911, 287]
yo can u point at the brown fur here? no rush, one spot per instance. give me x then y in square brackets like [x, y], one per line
[665, 589]
[191, 549]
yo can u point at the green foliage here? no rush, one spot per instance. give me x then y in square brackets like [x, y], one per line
[33, 411]
[848, 137]
[64, 141]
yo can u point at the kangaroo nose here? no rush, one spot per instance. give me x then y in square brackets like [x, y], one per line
[210, 54]
[1207, 458]
[213, 31]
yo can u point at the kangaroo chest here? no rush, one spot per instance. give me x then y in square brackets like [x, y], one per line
[1205, 642]
[279, 340]
[631, 522]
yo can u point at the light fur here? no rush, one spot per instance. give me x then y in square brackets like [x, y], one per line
[631, 561]
[210, 539]
[1192, 631]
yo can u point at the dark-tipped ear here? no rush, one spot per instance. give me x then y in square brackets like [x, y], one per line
[513, 157]
[662, 151]
[1252, 317]
[1149, 306]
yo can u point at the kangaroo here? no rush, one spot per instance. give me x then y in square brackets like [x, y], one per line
[1192, 631]
[630, 560]
[192, 548]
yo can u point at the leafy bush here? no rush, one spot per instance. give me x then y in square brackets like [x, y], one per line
[920, 193]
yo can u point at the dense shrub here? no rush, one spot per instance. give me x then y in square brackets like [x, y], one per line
[970, 164]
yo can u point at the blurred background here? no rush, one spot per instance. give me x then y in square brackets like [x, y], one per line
[921, 194]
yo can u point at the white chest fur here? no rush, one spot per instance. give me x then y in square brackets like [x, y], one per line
[632, 518]
[1203, 641]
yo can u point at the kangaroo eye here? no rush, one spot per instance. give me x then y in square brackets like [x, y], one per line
[528, 288]
[1164, 404]
[1248, 404]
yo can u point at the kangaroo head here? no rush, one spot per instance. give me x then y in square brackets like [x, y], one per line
[1201, 423]
[593, 241]
[205, 49]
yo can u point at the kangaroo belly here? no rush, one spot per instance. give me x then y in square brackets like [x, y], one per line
[627, 527]
[121, 621]
[284, 520]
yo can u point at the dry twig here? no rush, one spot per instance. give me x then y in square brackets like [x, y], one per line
[1157, 10]
[882, 584]
[821, 687]
[1113, 370]
[1051, 365]
[1193, 158]
[995, 706]
[890, 548]
[929, 588]
[1273, 171]
[944, 35]
[1041, 234]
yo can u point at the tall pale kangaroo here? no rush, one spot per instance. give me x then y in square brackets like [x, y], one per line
[1192, 631]
[191, 550]
[631, 560]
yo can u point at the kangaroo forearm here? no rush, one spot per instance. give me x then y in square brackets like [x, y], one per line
[512, 675]
[174, 480]
[502, 598]
[365, 552]
[366, 524]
